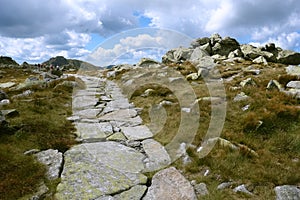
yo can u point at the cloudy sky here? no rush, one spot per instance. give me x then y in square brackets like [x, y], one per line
[35, 30]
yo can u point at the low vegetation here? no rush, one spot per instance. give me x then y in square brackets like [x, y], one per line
[270, 126]
[41, 124]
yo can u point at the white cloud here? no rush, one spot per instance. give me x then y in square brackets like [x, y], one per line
[135, 44]
[65, 25]
[37, 50]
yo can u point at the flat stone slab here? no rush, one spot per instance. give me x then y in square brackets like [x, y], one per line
[91, 132]
[53, 160]
[87, 113]
[81, 102]
[119, 115]
[137, 132]
[287, 192]
[170, 184]
[135, 193]
[158, 157]
[94, 170]
[293, 84]
[7, 85]
[117, 137]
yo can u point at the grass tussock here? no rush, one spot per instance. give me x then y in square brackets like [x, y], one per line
[41, 124]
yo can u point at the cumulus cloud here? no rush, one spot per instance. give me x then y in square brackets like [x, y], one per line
[42, 48]
[136, 44]
[52, 23]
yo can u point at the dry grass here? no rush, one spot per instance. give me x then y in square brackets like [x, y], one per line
[276, 140]
[41, 124]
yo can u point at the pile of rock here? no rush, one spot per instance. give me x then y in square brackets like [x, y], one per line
[229, 49]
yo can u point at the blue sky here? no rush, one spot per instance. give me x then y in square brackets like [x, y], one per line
[35, 30]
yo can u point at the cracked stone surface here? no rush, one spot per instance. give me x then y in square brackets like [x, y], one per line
[115, 150]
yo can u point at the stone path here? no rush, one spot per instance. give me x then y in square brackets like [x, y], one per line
[115, 150]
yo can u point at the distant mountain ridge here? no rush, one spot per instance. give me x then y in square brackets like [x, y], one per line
[7, 60]
[67, 63]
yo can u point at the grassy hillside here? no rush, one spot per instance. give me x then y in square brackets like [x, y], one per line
[41, 124]
[267, 133]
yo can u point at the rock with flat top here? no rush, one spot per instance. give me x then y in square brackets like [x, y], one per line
[53, 160]
[93, 170]
[287, 192]
[170, 184]
[157, 156]
[137, 132]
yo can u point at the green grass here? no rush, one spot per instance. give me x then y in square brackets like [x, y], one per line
[41, 124]
[277, 140]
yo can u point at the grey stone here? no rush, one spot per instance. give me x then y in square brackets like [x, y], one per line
[252, 52]
[4, 102]
[273, 84]
[242, 189]
[177, 55]
[200, 41]
[240, 97]
[157, 156]
[293, 70]
[224, 185]
[26, 93]
[248, 81]
[260, 60]
[3, 95]
[31, 152]
[10, 113]
[197, 54]
[207, 48]
[134, 193]
[192, 76]
[137, 133]
[7, 85]
[93, 170]
[91, 132]
[287, 192]
[117, 137]
[293, 84]
[119, 115]
[288, 57]
[87, 113]
[53, 161]
[201, 189]
[170, 184]
[224, 46]
[206, 62]
[82, 102]
[144, 62]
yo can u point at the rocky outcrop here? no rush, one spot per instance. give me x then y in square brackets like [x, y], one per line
[229, 48]
[224, 46]
[170, 184]
[288, 57]
[177, 55]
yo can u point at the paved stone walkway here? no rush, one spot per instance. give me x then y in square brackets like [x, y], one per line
[115, 149]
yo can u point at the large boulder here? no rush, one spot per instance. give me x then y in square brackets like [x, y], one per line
[177, 55]
[225, 46]
[197, 54]
[252, 52]
[170, 184]
[200, 42]
[287, 192]
[92, 170]
[288, 57]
